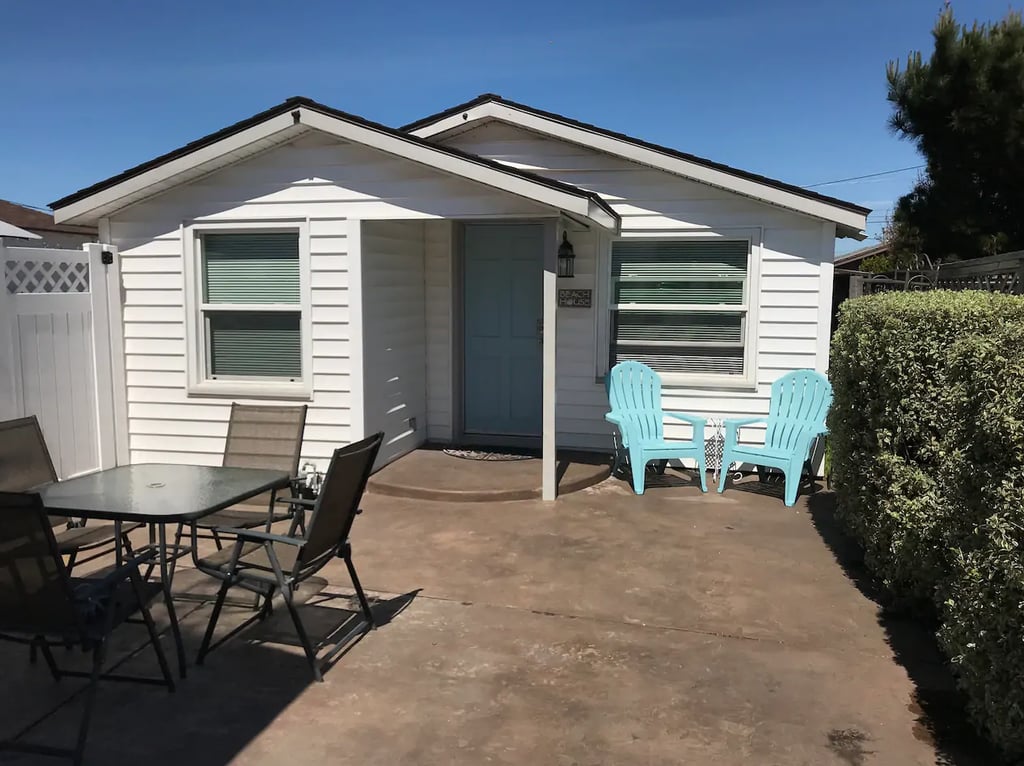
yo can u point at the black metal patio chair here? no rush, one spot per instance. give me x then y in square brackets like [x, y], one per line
[266, 563]
[259, 436]
[42, 605]
[25, 463]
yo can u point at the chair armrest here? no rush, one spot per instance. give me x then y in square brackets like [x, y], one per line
[252, 535]
[733, 425]
[298, 501]
[737, 422]
[692, 419]
[628, 430]
[118, 575]
[698, 424]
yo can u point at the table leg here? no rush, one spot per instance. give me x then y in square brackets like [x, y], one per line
[165, 581]
[118, 544]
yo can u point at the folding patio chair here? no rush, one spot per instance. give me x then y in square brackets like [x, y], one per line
[25, 464]
[265, 563]
[42, 605]
[259, 436]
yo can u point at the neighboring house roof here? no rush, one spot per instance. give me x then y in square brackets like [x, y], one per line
[850, 218]
[853, 259]
[10, 230]
[37, 220]
[287, 120]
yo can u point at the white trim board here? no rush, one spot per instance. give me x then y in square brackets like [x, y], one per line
[280, 128]
[198, 382]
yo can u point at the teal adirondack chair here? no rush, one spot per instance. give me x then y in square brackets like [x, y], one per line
[634, 392]
[796, 417]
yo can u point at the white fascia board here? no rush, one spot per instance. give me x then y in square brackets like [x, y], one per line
[465, 118]
[580, 204]
[168, 170]
[644, 156]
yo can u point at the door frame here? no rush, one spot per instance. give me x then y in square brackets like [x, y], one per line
[459, 434]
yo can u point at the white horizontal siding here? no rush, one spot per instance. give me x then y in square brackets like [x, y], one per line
[394, 336]
[654, 203]
[440, 299]
[316, 179]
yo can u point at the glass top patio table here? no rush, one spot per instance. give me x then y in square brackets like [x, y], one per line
[157, 493]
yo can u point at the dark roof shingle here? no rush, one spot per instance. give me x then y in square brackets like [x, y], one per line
[771, 182]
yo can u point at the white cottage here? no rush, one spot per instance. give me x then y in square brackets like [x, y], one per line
[407, 280]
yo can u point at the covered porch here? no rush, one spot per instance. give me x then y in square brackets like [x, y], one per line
[459, 340]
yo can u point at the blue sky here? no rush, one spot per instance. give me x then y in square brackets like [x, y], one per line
[793, 89]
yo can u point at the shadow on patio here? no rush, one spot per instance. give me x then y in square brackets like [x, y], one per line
[244, 687]
[939, 707]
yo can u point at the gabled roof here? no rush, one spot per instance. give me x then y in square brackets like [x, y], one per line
[854, 257]
[283, 123]
[850, 218]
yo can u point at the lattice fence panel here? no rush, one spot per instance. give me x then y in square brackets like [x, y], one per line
[46, 277]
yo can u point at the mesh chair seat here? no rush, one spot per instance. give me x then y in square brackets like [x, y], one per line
[25, 463]
[93, 601]
[259, 436]
[253, 561]
[248, 564]
[244, 516]
[40, 603]
[87, 538]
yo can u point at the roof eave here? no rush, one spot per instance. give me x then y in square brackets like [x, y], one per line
[169, 170]
[850, 219]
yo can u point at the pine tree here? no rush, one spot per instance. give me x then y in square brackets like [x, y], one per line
[964, 110]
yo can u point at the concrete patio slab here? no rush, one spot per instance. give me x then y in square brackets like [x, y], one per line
[432, 474]
[604, 628]
[504, 686]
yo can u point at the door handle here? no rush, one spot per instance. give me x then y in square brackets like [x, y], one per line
[540, 330]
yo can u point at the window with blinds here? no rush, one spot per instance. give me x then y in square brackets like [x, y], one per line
[680, 306]
[251, 314]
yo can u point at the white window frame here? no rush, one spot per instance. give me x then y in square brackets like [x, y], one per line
[198, 381]
[754, 235]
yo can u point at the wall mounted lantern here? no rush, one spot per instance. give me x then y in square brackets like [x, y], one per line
[566, 257]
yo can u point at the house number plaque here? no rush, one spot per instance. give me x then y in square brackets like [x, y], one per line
[575, 299]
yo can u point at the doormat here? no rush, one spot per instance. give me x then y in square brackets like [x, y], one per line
[476, 454]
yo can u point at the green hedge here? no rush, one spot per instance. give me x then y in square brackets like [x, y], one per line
[927, 440]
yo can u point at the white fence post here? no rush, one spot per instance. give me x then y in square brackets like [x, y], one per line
[8, 380]
[101, 356]
[115, 318]
[108, 354]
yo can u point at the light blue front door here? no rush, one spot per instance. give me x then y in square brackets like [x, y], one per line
[504, 308]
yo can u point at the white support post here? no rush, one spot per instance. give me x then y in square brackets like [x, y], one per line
[115, 317]
[825, 280]
[356, 327]
[549, 459]
[8, 362]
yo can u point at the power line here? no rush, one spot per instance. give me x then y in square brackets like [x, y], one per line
[33, 207]
[869, 175]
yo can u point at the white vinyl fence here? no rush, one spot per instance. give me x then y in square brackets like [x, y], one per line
[61, 350]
